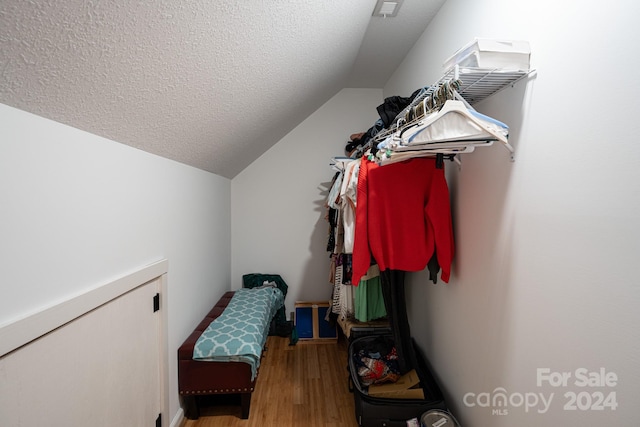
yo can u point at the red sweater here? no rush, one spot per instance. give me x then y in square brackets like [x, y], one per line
[402, 216]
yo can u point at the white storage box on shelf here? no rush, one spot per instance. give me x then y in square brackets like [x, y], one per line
[492, 54]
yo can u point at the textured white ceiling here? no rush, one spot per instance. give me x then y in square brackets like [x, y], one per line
[212, 84]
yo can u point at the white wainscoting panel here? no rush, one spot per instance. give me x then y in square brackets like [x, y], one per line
[102, 368]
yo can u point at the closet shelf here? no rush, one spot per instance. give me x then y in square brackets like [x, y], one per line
[474, 73]
[476, 84]
[480, 83]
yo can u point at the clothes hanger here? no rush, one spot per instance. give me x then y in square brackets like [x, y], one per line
[338, 163]
[428, 99]
[493, 130]
[481, 131]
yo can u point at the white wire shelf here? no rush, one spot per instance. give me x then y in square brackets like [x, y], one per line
[480, 83]
[476, 84]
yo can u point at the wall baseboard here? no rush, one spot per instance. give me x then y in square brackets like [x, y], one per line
[177, 420]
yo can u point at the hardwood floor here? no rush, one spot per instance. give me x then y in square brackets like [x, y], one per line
[301, 385]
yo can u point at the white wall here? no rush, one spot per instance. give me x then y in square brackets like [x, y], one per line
[545, 274]
[278, 202]
[78, 210]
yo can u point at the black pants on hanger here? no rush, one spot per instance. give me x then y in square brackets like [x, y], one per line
[392, 282]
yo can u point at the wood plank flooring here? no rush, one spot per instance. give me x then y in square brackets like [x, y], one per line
[301, 385]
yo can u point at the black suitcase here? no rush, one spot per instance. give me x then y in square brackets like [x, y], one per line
[383, 412]
[365, 331]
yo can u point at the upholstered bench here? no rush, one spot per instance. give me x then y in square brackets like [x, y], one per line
[199, 378]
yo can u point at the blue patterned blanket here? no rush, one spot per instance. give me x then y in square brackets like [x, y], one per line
[240, 332]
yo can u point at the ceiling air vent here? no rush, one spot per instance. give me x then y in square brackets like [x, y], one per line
[387, 9]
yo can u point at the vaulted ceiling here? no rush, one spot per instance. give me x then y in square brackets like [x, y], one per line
[212, 84]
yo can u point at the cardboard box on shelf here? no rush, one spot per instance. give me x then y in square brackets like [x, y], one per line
[407, 387]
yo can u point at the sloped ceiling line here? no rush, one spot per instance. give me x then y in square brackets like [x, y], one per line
[179, 79]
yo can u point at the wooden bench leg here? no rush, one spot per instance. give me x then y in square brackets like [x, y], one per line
[245, 401]
[191, 407]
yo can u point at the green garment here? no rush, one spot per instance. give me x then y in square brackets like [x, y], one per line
[368, 300]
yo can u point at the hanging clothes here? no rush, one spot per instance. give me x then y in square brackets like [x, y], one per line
[395, 303]
[348, 202]
[368, 297]
[393, 105]
[403, 217]
[403, 221]
[340, 265]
